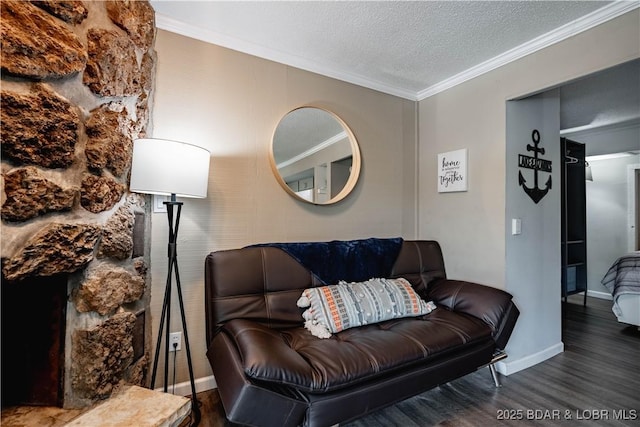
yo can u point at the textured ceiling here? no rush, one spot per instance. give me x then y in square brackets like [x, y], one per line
[414, 49]
[401, 47]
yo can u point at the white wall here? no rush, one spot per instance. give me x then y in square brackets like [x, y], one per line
[607, 209]
[230, 103]
[471, 225]
[533, 258]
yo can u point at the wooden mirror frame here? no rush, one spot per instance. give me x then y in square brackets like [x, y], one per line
[355, 162]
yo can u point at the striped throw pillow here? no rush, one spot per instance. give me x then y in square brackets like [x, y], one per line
[338, 307]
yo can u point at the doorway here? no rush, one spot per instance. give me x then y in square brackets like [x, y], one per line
[601, 111]
[633, 203]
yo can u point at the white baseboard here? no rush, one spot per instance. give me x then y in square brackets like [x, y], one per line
[184, 389]
[504, 367]
[600, 295]
[509, 367]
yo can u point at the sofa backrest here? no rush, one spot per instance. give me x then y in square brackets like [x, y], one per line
[263, 283]
[420, 262]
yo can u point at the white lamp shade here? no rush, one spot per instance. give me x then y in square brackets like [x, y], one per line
[161, 166]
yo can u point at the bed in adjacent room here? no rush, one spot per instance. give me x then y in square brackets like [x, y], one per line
[623, 281]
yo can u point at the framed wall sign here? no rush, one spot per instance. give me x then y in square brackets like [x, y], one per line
[452, 171]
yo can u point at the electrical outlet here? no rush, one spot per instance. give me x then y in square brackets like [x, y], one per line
[175, 338]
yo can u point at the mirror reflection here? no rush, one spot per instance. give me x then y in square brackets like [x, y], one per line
[315, 156]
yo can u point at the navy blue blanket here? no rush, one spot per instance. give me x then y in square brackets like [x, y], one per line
[348, 260]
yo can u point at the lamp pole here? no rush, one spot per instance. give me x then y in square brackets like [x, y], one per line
[166, 309]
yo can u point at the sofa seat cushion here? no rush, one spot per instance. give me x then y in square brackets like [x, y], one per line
[296, 358]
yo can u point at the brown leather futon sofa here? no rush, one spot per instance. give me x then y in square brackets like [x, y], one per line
[271, 371]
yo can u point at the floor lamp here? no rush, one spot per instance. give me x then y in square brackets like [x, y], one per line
[165, 167]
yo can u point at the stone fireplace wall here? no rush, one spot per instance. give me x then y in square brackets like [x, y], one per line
[77, 86]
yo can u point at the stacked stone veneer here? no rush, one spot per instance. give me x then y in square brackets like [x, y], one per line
[77, 80]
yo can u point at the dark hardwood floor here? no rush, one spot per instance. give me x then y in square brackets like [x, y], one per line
[594, 382]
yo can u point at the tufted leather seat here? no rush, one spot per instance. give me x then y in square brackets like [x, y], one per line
[296, 358]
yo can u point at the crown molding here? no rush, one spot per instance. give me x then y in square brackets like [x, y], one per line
[313, 150]
[610, 126]
[602, 15]
[175, 26]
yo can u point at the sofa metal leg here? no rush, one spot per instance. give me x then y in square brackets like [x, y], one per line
[494, 375]
[498, 355]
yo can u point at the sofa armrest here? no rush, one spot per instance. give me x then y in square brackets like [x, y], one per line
[491, 305]
[244, 401]
[265, 354]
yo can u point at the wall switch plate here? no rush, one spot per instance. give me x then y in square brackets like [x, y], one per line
[175, 338]
[516, 226]
[158, 203]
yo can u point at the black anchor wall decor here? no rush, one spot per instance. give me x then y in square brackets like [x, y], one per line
[538, 165]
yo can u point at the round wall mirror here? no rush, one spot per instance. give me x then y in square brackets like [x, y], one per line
[315, 156]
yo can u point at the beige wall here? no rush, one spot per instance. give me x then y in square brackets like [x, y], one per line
[471, 225]
[230, 103]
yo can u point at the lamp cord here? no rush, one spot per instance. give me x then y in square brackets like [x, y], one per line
[175, 356]
[173, 391]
